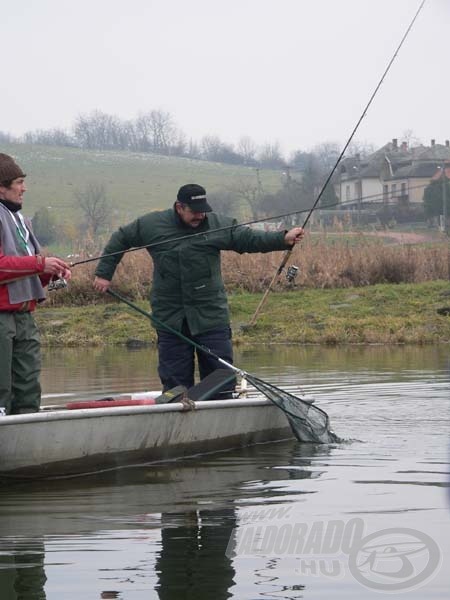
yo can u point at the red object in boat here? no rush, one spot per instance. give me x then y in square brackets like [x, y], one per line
[129, 400]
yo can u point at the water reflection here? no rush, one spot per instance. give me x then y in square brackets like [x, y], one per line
[22, 574]
[192, 504]
[191, 551]
[159, 531]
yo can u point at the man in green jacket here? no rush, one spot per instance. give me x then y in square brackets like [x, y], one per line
[188, 293]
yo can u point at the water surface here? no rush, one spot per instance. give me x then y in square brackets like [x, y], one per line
[164, 531]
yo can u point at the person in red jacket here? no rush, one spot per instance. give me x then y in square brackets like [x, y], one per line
[23, 274]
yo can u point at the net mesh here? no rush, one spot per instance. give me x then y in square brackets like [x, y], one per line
[308, 422]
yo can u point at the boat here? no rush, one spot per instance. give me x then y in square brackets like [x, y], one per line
[59, 442]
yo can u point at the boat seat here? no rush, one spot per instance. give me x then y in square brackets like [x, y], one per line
[219, 384]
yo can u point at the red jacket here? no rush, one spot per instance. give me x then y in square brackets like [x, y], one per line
[14, 267]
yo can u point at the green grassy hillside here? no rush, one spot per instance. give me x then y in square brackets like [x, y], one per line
[135, 183]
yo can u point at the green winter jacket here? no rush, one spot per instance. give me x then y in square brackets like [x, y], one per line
[187, 279]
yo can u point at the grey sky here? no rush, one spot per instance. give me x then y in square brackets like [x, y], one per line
[294, 71]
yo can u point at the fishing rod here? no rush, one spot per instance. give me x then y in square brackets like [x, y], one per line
[197, 234]
[371, 198]
[183, 237]
[308, 422]
[283, 215]
[288, 253]
[58, 283]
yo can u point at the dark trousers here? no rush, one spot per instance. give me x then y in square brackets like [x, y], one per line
[177, 357]
[20, 363]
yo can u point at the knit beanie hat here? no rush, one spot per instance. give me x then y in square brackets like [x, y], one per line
[9, 169]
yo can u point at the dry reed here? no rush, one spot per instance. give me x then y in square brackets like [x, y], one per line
[323, 263]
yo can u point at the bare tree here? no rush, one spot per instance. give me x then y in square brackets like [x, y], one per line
[99, 131]
[299, 159]
[193, 149]
[163, 129]
[410, 138]
[249, 193]
[211, 146]
[224, 202]
[130, 136]
[179, 146]
[143, 133]
[48, 137]
[247, 149]
[156, 131]
[95, 206]
[270, 156]
[327, 154]
[314, 168]
[362, 149]
[6, 138]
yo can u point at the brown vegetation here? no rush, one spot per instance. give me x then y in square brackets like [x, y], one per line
[324, 262]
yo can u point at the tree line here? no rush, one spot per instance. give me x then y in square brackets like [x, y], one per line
[156, 132]
[303, 172]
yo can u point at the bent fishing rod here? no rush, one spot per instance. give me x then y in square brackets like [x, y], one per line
[372, 198]
[295, 408]
[186, 339]
[288, 252]
[203, 233]
[56, 284]
[280, 216]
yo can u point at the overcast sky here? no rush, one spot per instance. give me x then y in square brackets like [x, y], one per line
[298, 72]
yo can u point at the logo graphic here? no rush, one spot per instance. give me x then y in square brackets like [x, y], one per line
[395, 559]
[389, 560]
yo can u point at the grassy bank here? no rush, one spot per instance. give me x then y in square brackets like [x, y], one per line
[379, 314]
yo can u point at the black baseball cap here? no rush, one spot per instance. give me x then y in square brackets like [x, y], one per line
[194, 196]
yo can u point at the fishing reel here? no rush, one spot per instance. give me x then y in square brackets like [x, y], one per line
[57, 284]
[292, 273]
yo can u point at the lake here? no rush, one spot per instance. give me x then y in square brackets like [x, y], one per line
[365, 517]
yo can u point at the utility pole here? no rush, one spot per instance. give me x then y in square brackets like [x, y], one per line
[444, 198]
[359, 187]
[258, 181]
[444, 210]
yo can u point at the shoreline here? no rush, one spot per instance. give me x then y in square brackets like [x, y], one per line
[383, 314]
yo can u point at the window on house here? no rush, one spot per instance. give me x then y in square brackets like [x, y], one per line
[403, 193]
[347, 192]
[394, 190]
[385, 192]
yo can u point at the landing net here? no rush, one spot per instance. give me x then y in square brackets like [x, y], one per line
[308, 422]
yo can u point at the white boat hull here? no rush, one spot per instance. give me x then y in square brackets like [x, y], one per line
[67, 442]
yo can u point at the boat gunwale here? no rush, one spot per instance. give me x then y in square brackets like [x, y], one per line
[63, 414]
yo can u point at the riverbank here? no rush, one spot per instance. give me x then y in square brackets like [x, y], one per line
[379, 314]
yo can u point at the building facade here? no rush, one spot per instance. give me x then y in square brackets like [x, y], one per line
[394, 175]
